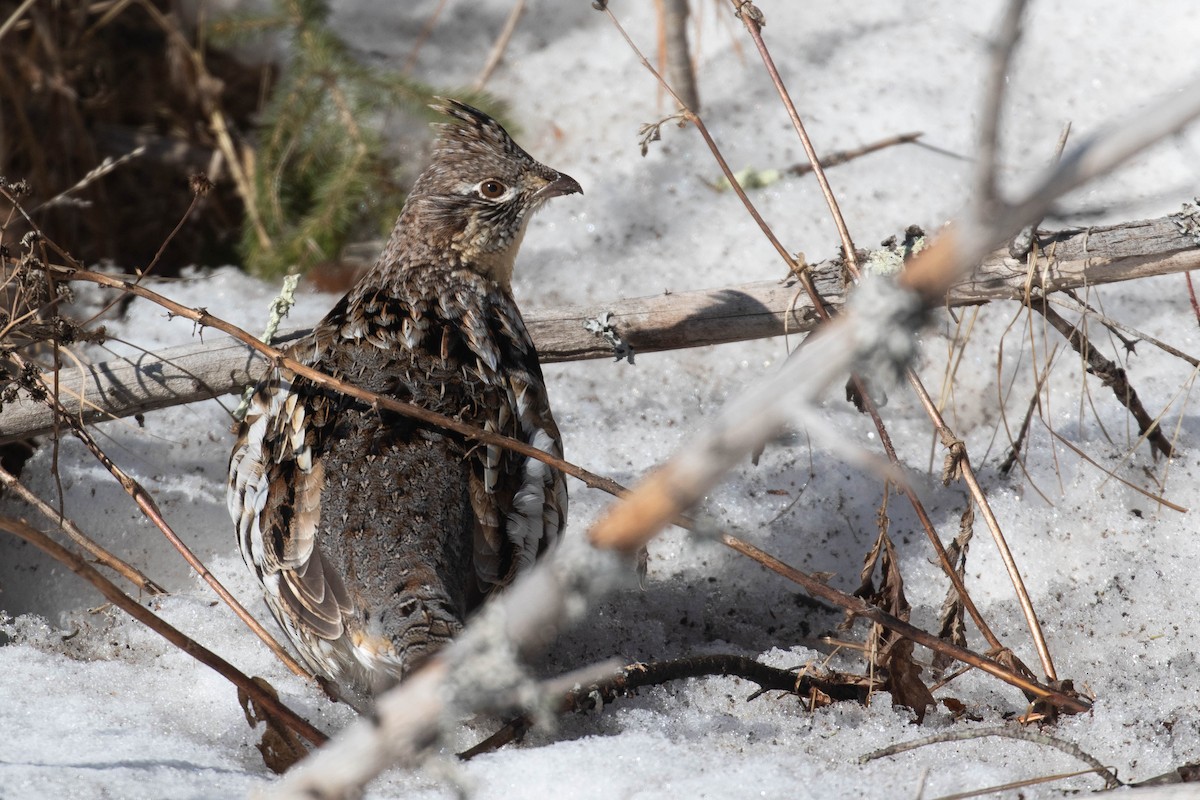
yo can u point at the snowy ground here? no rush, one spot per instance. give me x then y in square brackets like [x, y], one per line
[94, 706]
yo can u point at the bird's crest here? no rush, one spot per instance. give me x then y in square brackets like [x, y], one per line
[472, 134]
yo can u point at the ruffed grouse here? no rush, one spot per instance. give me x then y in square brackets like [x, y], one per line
[374, 535]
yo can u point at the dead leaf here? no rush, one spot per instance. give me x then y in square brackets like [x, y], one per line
[280, 747]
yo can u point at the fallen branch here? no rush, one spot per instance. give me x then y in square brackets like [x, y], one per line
[193, 372]
[628, 679]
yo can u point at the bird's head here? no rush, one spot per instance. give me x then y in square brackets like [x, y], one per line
[479, 191]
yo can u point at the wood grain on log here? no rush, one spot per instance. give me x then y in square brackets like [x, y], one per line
[1071, 259]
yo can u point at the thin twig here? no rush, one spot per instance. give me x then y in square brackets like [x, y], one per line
[1003, 46]
[1110, 375]
[839, 157]
[1007, 732]
[962, 465]
[201, 188]
[1014, 452]
[164, 629]
[751, 17]
[1005, 787]
[500, 45]
[68, 526]
[105, 167]
[1192, 296]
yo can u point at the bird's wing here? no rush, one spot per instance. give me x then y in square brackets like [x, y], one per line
[276, 478]
[520, 503]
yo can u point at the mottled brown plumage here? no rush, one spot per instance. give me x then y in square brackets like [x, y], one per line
[374, 535]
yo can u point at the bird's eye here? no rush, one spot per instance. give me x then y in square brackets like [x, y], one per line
[491, 189]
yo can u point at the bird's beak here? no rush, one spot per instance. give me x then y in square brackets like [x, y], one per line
[563, 184]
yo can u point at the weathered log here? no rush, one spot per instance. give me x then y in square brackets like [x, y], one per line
[1069, 260]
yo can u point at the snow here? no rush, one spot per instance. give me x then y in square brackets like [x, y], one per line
[94, 706]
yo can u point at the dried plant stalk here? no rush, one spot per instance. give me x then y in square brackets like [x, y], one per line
[143, 615]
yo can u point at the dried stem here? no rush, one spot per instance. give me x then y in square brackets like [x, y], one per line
[1007, 732]
[501, 44]
[1187, 276]
[839, 157]
[1014, 453]
[1110, 375]
[143, 615]
[751, 17]
[1003, 46]
[961, 464]
[113, 562]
